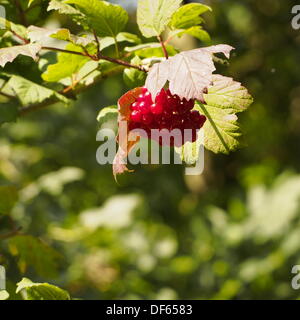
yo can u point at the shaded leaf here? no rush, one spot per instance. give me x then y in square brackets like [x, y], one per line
[188, 16]
[154, 15]
[40, 291]
[133, 77]
[195, 67]
[33, 252]
[105, 18]
[11, 53]
[8, 112]
[30, 93]
[8, 198]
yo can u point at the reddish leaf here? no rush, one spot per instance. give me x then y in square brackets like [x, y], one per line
[126, 139]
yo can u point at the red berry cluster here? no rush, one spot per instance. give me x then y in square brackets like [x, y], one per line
[167, 112]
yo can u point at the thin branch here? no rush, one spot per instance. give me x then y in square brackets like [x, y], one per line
[67, 51]
[19, 37]
[123, 63]
[101, 57]
[98, 43]
[21, 12]
[160, 39]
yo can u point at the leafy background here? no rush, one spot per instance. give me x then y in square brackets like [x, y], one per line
[232, 233]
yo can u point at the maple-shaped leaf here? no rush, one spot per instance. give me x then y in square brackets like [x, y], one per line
[127, 140]
[10, 54]
[224, 99]
[189, 73]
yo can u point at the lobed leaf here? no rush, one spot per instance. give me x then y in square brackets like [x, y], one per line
[194, 66]
[154, 15]
[11, 53]
[188, 16]
[225, 93]
[105, 18]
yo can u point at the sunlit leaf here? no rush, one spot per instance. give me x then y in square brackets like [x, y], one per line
[11, 53]
[105, 18]
[195, 67]
[154, 15]
[40, 291]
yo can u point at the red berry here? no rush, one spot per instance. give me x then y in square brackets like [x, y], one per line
[156, 108]
[147, 118]
[135, 116]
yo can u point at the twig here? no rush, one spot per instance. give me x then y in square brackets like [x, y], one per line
[101, 57]
[160, 39]
[98, 43]
[22, 13]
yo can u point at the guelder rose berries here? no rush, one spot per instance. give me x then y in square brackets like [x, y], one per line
[167, 112]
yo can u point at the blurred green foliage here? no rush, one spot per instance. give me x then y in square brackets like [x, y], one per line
[232, 233]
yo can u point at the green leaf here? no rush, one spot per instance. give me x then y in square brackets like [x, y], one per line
[133, 77]
[121, 37]
[196, 32]
[37, 34]
[31, 93]
[66, 9]
[188, 16]
[228, 94]
[221, 129]
[8, 112]
[154, 15]
[11, 53]
[63, 8]
[105, 18]
[8, 198]
[149, 50]
[40, 291]
[225, 97]
[66, 66]
[4, 295]
[33, 252]
[107, 113]
[189, 152]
